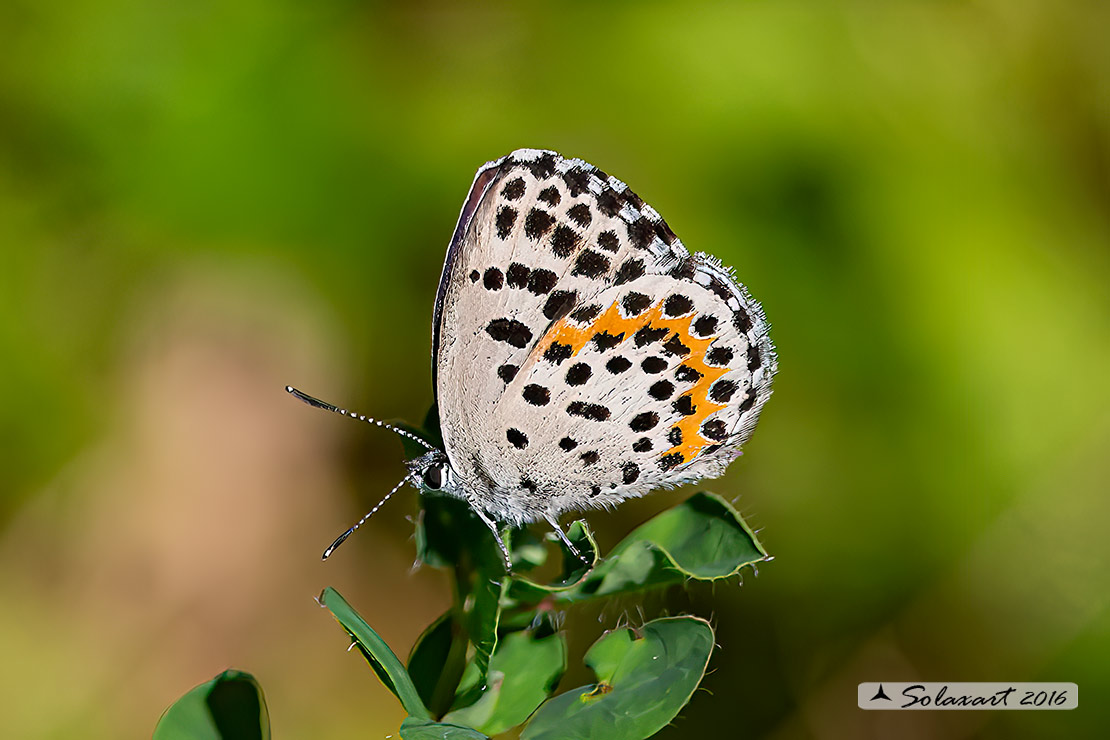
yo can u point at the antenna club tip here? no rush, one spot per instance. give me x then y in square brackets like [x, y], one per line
[289, 389]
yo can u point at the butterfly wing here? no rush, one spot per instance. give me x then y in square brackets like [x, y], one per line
[581, 355]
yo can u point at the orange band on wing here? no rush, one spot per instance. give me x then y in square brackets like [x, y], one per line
[614, 324]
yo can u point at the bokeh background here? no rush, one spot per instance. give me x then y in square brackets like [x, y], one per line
[202, 202]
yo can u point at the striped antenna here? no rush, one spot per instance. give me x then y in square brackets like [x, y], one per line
[340, 539]
[360, 417]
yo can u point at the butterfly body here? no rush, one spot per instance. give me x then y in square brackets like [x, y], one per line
[582, 355]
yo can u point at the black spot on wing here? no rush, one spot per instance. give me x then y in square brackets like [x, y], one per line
[513, 189]
[687, 374]
[589, 458]
[474, 275]
[741, 321]
[649, 335]
[643, 444]
[632, 199]
[578, 374]
[678, 305]
[685, 405]
[605, 341]
[559, 304]
[517, 438]
[719, 356]
[550, 195]
[564, 241]
[537, 223]
[667, 237]
[673, 460]
[674, 346]
[653, 365]
[618, 365]
[640, 233]
[661, 390]
[586, 314]
[557, 352]
[507, 372]
[591, 264]
[580, 214]
[753, 358]
[629, 271]
[608, 241]
[541, 281]
[517, 275]
[608, 202]
[722, 391]
[629, 473]
[528, 484]
[675, 436]
[566, 444]
[510, 331]
[749, 401]
[715, 430]
[493, 279]
[577, 181]
[506, 217]
[536, 395]
[720, 288]
[635, 303]
[542, 166]
[705, 325]
[643, 422]
[591, 411]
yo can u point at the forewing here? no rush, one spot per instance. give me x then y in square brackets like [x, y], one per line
[582, 355]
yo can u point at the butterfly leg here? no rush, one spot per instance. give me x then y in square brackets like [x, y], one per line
[566, 540]
[496, 535]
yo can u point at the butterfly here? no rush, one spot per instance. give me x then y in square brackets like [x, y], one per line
[581, 356]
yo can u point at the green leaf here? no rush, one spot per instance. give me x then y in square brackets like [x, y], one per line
[229, 707]
[643, 681]
[703, 538]
[437, 661]
[414, 728]
[428, 656]
[527, 550]
[575, 568]
[482, 614]
[449, 534]
[377, 653]
[521, 674]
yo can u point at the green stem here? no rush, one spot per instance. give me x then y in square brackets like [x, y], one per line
[447, 685]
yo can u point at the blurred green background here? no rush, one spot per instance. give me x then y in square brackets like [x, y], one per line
[202, 202]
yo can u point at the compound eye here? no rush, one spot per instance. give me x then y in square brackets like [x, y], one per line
[433, 477]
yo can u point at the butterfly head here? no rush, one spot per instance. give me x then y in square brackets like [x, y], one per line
[432, 471]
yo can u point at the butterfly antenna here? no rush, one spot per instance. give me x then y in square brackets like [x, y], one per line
[344, 412]
[341, 538]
